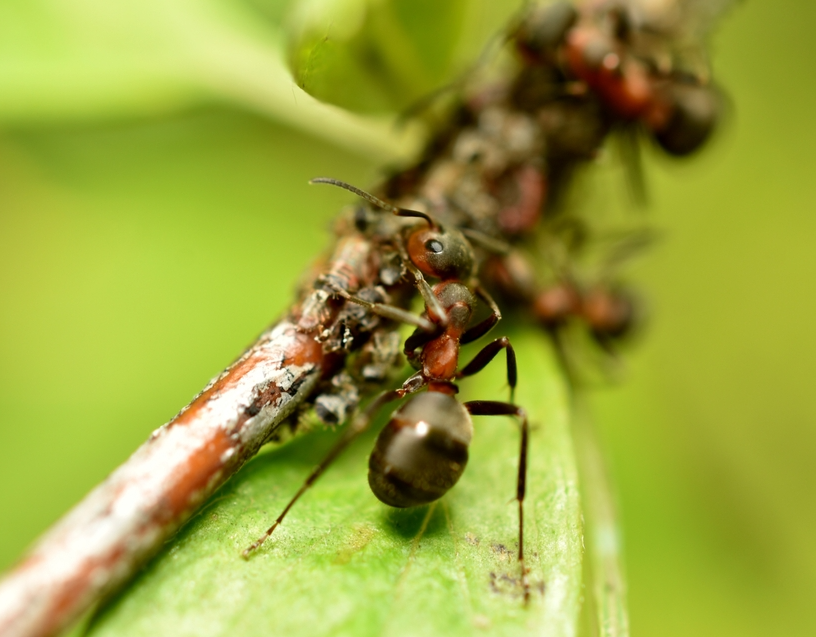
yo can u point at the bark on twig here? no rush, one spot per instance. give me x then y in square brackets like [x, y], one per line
[106, 537]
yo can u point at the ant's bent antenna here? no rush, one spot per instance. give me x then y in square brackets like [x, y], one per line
[400, 212]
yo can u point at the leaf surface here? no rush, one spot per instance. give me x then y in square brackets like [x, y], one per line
[345, 564]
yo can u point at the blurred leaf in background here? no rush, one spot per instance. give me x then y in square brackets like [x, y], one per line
[154, 217]
[89, 61]
[371, 56]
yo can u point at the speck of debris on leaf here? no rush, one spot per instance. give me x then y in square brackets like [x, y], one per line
[501, 550]
[511, 586]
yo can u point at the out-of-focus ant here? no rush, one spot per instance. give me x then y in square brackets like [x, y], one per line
[609, 310]
[606, 51]
[423, 450]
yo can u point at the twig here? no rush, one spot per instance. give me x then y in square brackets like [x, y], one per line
[99, 544]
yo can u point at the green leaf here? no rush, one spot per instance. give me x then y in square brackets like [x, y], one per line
[89, 60]
[345, 564]
[606, 611]
[374, 56]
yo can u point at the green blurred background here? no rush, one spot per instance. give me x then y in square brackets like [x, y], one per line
[154, 217]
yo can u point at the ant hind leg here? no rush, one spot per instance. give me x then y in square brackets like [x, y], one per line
[494, 408]
[487, 354]
[357, 426]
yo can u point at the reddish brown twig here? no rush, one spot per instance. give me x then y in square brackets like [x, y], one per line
[125, 520]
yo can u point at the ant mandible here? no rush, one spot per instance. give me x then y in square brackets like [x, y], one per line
[423, 450]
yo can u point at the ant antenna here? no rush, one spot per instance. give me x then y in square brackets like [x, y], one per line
[400, 212]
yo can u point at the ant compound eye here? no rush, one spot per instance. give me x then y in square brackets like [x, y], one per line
[434, 245]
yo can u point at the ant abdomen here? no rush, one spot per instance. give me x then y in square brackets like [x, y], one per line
[694, 111]
[422, 451]
[610, 313]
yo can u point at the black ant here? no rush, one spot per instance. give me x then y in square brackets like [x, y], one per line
[423, 450]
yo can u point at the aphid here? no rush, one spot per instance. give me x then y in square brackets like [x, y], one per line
[423, 450]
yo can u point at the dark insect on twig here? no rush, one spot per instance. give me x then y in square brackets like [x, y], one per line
[423, 450]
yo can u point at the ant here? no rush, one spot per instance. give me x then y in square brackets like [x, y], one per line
[423, 450]
[607, 52]
[609, 310]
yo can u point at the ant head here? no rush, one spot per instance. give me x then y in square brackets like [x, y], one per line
[436, 252]
[444, 254]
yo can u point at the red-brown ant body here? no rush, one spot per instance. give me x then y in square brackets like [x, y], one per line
[602, 48]
[423, 450]
[608, 310]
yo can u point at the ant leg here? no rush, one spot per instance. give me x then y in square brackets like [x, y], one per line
[414, 342]
[482, 328]
[487, 354]
[432, 304]
[562, 355]
[357, 426]
[493, 408]
[389, 311]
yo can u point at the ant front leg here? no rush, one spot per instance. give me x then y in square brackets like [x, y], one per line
[487, 354]
[357, 426]
[493, 408]
[389, 311]
[432, 304]
[414, 345]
